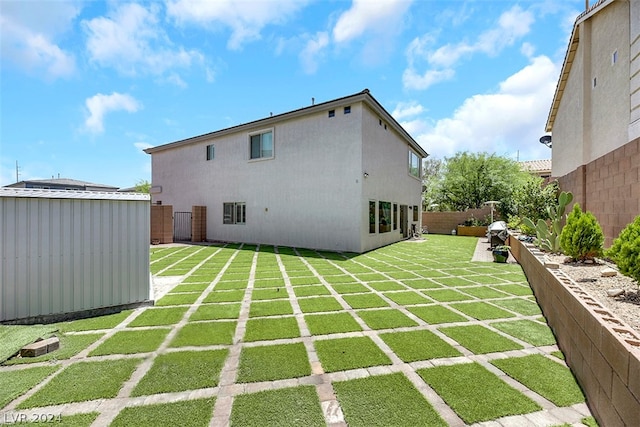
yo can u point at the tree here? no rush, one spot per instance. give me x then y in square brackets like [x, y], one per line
[431, 179]
[532, 200]
[143, 186]
[471, 179]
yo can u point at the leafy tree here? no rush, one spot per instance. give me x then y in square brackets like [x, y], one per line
[431, 179]
[471, 179]
[533, 200]
[143, 186]
[581, 237]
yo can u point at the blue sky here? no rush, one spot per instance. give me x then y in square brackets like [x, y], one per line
[86, 86]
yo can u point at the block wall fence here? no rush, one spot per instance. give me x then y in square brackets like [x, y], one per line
[609, 187]
[444, 222]
[602, 351]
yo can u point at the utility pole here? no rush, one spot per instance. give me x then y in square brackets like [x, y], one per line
[17, 173]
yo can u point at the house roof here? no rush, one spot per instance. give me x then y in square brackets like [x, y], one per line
[62, 181]
[536, 165]
[569, 57]
[70, 194]
[363, 96]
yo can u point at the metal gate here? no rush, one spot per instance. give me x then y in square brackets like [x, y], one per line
[181, 226]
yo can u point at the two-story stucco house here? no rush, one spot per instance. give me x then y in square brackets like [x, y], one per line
[340, 175]
[595, 114]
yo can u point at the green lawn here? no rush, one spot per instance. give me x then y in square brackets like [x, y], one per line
[426, 305]
[298, 406]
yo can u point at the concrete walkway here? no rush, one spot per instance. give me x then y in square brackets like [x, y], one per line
[228, 388]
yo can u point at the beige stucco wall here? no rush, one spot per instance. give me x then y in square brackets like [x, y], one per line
[311, 194]
[634, 70]
[593, 120]
[385, 158]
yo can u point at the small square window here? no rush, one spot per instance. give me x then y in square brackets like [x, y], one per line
[332, 113]
[210, 152]
[347, 110]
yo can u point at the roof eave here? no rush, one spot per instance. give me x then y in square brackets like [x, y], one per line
[363, 96]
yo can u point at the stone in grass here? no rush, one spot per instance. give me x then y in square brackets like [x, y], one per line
[40, 347]
[615, 292]
[608, 272]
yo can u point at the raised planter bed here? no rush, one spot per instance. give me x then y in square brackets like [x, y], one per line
[602, 351]
[472, 230]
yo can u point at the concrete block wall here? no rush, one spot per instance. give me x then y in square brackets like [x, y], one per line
[609, 187]
[162, 223]
[444, 222]
[602, 351]
[198, 223]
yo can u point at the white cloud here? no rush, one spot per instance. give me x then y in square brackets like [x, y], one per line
[506, 122]
[365, 15]
[99, 105]
[131, 40]
[407, 109]
[512, 25]
[29, 30]
[246, 18]
[411, 79]
[312, 52]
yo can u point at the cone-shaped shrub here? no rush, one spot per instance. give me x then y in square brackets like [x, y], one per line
[625, 251]
[581, 237]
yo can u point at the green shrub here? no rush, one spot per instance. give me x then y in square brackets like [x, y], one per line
[581, 237]
[625, 251]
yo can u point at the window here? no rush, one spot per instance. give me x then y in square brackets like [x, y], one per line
[414, 164]
[332, 113]
[395, 216]
[372, 216]
[261, 145]
[384, 216]
[415, 213]
[614, 57]
[595, 82]
[210, 152]
[347, 110]
[234, 213]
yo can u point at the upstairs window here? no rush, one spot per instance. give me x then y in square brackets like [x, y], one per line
[347, 110]
[261, 145]
[414, 164]
[332, 113]
[210, 152]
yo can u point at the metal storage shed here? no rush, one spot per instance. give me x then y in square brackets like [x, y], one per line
[71, 253]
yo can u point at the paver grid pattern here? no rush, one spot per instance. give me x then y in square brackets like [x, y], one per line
[264, 298]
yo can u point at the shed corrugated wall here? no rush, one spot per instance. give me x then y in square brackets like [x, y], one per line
[68, 254]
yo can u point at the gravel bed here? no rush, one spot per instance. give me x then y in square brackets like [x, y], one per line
[588, 277]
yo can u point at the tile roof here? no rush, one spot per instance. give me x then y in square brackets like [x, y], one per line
[536, 165]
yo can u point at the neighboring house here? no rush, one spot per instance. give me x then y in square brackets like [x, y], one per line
[595, 114]
[341, 175]
[540, 168]
[62, 184]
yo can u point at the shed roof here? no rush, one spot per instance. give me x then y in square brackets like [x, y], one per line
[70, 194]
[363, 96]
